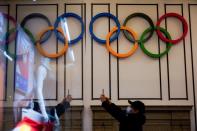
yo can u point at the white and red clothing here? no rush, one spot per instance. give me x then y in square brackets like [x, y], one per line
[33, 121]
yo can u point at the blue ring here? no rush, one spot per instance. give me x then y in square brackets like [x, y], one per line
[114, 37]
[59, 37]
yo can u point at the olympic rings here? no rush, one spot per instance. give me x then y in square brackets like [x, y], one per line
[104, 15]
[8, 17]
[52, 55]
[141, 15]
[185, 27]
[134, 48]
[41, 16]
[149, 53]
[65, 15]
[146, 35]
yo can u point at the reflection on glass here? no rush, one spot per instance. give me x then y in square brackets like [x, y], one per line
[41, 75]
[2, 67]
[3, 27]
[24, 70]
[70, 57]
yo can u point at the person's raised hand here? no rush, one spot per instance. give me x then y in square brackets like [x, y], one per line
[68, 98]
[103, 98]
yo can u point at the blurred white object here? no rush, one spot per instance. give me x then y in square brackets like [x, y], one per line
[24, 44]
[65, 29]
[1, 24]
[41, 75]
[3, 27]
[6, 55]
[30, 113]
[56, 123]
[70, 57]
[46, 62]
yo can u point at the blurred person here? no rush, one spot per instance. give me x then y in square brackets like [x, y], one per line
[33, 120]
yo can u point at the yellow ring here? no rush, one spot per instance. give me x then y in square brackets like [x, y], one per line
[121, 55]
[56, 55]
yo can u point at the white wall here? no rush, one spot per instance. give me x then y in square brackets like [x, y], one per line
[170, 80]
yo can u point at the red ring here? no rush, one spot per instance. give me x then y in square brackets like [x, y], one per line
[12, 37]
[181, 18]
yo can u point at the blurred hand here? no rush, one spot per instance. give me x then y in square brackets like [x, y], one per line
[68, 98]
[46, 118]
[103, 98]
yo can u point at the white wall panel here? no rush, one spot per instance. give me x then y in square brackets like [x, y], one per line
[193, 29]
[176, 57]
[100, 56]
[139, 75]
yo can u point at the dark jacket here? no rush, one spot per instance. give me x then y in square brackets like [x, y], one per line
[128, 122]
[60, 108]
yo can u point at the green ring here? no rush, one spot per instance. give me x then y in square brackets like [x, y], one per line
[31, 36]
[13, 55]
[168, 46]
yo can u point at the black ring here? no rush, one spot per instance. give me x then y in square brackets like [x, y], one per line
[41, 16]
[141, 15]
